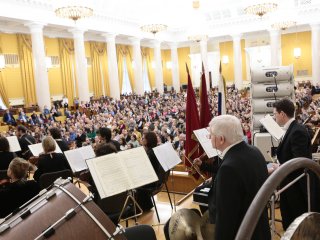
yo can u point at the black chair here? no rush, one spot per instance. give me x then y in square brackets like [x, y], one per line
[144, 232]
[3, 174]
[47, 179]
[155, 190]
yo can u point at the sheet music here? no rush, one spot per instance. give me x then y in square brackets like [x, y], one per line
[77, 157]
[272, 127]
[14, 144]
[205, 142]
[138, 166]
[36, 149]
[118, 172]
[109, 175]
[167, 156]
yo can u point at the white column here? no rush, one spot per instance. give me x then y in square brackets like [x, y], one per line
[175, 67]
[158, 67]
[112, 66]
[81, 65]
[39, 65]
[315, 42]
[204, 58]
[138, 80]
[275, 46]
[237, 61]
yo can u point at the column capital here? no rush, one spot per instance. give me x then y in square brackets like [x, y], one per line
[236, 37]
[315, 26]
[77, 32]
[274, 32]
[35, 27]
[135, 40]
[109, 37]
[156, 44]
[173, 45]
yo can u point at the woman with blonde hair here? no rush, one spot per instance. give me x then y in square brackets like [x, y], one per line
[19, 190]
[50, 161]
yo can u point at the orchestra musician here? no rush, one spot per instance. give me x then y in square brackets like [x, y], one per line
[241, 174]
[50, 161]
[19, 190]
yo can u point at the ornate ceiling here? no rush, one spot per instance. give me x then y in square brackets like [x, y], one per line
[124, 18]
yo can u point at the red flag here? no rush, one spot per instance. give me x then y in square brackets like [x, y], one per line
[192, 123]
[205, 112]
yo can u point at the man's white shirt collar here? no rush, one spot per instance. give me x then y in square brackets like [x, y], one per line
[228, 148]
[287, 125]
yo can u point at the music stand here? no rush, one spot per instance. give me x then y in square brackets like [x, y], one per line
[130, 196]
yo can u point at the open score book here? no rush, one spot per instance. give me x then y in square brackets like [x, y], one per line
[118, 172]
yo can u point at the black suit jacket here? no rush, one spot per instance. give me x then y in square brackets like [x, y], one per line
[239, 178]
[53, 162]
[15, 194]
[293, 202]
[295, 143]
[6, 117]
[24, 142]
[5, 159]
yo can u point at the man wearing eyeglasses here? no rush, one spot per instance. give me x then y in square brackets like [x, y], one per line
[241, 174]
[295, 143]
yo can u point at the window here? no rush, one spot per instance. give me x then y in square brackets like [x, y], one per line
[145, 77]
[126, 86]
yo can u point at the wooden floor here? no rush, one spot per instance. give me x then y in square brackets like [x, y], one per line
[165, 212]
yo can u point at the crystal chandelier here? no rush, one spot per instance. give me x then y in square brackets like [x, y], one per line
[261, 9]
[74, 9]
[283, 25]
[154, 28]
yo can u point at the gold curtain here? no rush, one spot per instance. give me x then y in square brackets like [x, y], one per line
[26, 67]
[98, 52]
[125, 52]
[147, 56]
[3, 92]
[67, 65]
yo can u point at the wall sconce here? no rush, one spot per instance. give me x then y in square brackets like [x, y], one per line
[153, 65]
[169, 65]
[297, 52]
[225, 59]
[48, 63]
[2, 62]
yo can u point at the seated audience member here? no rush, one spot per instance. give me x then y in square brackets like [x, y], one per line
[24, 140]
[46, 110]
[149, 141]
[5, 155]
[65, 102]
[19, 190]
[105, 136]
[8, 118]
[56, 134]
[50, 161]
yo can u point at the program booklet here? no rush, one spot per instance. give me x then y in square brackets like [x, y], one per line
[118, 172]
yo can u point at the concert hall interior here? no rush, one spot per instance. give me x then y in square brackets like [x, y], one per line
[159, 119]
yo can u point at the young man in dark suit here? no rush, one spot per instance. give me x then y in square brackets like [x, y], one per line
[295, 143]
[241, 174]
[24, 140]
